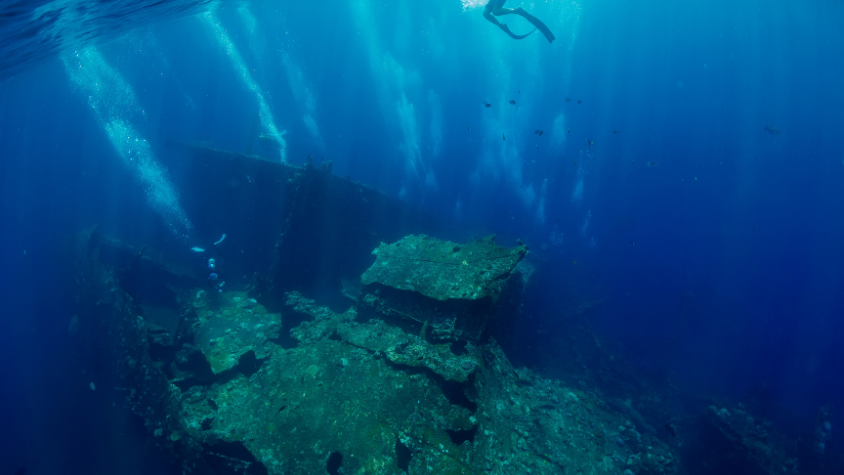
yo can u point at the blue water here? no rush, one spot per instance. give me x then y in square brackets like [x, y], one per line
[715, 247]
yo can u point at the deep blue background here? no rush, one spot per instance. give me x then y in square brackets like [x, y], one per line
[720, 265]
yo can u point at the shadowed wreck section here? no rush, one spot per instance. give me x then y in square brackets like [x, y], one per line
[266, 378]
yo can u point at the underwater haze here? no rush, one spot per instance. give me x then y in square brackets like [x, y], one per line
[676, 170]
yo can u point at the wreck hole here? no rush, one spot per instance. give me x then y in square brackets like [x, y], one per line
[459, 436]
[334, 337]
[458, 348]
[403, 455]
[226, 458]
[291, 320]
[455, 394]
[453, 391]
[248, 364]
[335, 460]
[206, 424]
[195, 364]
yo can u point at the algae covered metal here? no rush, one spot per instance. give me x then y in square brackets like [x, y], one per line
[444, 270]
[406, 378]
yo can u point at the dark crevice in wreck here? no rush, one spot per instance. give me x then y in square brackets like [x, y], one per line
[334, 463]
[192, 362]
[458, 348]
[232, 458]
[195, 364]
[247, 365]
[459, 436]
[403, 455]
[206, 424]
[453, 391]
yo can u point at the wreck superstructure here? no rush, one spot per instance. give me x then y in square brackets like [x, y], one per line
[265, 377]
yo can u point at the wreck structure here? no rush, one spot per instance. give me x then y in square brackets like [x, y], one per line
[394, 369]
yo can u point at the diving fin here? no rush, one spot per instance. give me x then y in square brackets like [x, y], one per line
[537, 23]
[513, 35]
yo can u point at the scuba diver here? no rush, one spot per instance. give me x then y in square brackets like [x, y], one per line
[496, 8]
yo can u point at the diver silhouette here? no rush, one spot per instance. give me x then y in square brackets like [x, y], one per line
[496, 8]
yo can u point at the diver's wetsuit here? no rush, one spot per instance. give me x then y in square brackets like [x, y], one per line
[496, 8]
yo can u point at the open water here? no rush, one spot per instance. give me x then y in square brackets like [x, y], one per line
[687, 183]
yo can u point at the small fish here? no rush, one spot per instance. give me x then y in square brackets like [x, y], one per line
[671, 429]
[197, 249]
[503, 137]
[579, 101]
[772, 130]
[631, 243]
[575, 162]
[573, 263]
[614, 131]
[633, 162]
[568, 100]
[537, 147]
[591, 143]
[539, 133]
[468, 128]
[568, 131]
[212, 277]
[250, 179]
[487, 104]
[512, 102]
[652, 164]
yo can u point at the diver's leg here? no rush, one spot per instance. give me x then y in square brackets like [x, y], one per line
[535, 21]
[503, 11]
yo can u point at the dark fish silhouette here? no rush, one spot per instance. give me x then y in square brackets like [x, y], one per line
[568, 131]
[614, 131]
[539, 132]
[652, 164]
[537, 147]
[772, 130]
[591, 143]
[668, 426]
[503, 137]
[579, 101]
[487, 104]
[568, 100]
[250, 179]
[512, 102]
